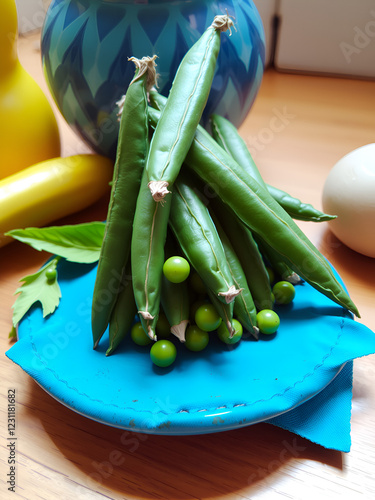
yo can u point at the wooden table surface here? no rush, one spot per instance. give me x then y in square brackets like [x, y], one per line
[298, 128]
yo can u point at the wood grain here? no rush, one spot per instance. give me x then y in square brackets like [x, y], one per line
[298, 128]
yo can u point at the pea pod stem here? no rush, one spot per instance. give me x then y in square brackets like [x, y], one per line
[145, 71]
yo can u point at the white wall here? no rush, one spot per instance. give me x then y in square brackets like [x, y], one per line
[327, 36]
[321, 36]
[267, 10]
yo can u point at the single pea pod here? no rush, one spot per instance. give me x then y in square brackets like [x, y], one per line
[296, 208]
[183, 109]
[156, 100]
[244, 308]
[262, 214]
[123, 313]
[176, 306]
[197, 236]
[175, 298]
[130, 162]
[147, 255]
[248, 253]
[227, 136]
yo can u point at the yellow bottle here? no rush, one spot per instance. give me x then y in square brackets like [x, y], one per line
[28, 129]
[52, 189]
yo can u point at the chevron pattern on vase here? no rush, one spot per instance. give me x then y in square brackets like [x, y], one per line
[86, 45]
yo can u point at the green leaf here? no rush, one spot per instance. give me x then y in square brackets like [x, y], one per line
[37, 288]
[13, 333]
[77, 243]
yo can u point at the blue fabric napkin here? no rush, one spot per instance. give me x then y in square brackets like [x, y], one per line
[299, 379]
[324, 419]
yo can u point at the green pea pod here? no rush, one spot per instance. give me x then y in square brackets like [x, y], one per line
[296, 208]
[244, 307]
[176, 306]
[262, 214]
[197, 236]
[248, 254]
[227, 136]
[130, 162]
[184, 107]
[123, 313]
[147, 255]
[156, 100]
[175, 298]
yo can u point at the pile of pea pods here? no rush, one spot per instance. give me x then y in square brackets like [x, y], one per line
[190, 218]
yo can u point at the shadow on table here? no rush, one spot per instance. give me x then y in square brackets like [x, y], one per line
[116, 462]
[349, 261]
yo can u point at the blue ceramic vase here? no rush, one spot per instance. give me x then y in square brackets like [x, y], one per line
[86, 45]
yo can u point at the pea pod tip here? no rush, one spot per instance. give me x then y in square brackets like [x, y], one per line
[147, 66]
[294, 279]
[158, 189]
[255, 333]
[230, 294]
[180, 330]
[223, 22]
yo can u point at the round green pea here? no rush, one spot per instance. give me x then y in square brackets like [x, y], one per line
[268, 321]
[176, 269]
[284, 292]
[207, 318]
[138, 335]
[195, 306]
[196, 339]
[163, 353]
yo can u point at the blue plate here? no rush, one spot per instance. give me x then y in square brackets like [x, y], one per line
[218, 389]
